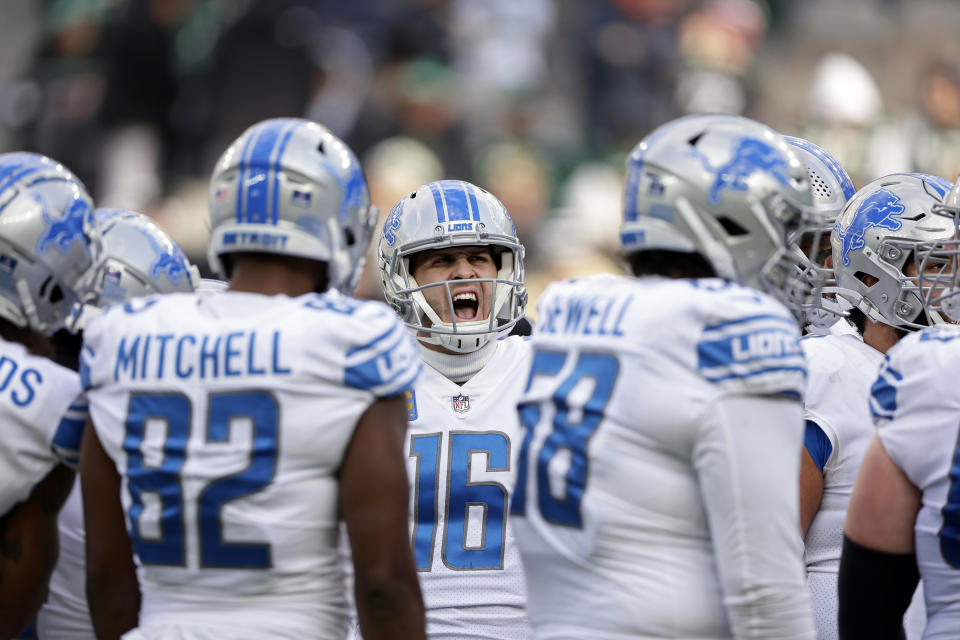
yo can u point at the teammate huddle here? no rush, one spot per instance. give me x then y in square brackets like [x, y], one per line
[665, 457]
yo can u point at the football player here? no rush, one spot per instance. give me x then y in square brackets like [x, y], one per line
[657, 493]
[887, 213]
[830, 187]
[139, 259]
[235, 430]
[904, 512]
[48, 246]
[452, 266]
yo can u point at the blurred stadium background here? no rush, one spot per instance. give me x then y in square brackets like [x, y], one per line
[536, 100]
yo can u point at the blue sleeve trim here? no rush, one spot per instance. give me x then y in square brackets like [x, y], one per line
[817, 444]
[66, 441]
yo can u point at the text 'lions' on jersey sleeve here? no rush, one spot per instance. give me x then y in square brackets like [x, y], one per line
[228, 416]
[42, 420]
[619, 491]
[917, 413]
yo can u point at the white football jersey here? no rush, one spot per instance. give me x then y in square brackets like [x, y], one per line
[840, 371]
[65, 614]
[41, 420]
[917, 413]
[627, 509]
[228, 417]
[463, 443]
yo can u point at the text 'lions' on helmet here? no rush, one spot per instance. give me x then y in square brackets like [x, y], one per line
[445, 214]
[139, 259]
[49, 242]
[809, 245]
[882, 246]
[726, 187]
[288, 186]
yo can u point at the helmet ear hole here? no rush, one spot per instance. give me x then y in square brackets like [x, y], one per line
[731, 226]
[349, 238]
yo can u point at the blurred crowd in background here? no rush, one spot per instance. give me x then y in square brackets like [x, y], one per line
[538, 101]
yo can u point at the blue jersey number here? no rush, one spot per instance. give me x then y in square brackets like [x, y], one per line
[571, 430]
[462, 494]
[950, 531]
[163, 479]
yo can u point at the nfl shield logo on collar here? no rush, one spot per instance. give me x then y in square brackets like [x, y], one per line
[461, 403]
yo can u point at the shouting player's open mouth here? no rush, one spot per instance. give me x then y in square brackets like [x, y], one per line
[466, 304]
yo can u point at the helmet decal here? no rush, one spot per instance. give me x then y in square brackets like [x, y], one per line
[749, 156]
[63, 232]
[168, 260]
[257, 186]
[881, 209]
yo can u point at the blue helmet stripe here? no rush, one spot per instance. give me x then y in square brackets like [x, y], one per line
[846, 184]
[353, 191]
[941, 185]
[17, 170]
[276, 168]
[240, 179]
[260, 166]
[455, 194]
[438, 202]
[472, 196]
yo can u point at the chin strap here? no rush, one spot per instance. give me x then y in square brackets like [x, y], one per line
[29, 307]
[459, 367]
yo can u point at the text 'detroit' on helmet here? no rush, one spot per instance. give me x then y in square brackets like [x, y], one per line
[289, 187]
[139, 259]
[440, 215]
[726, 187]
[894, 250]
[49, 242]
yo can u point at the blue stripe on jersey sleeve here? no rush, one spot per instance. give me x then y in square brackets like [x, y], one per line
[883, 393]
[386, 366]
[758, 354]
[66, 440]
[817, 444]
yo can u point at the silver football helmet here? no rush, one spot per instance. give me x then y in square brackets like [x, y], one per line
[725, 187]
[440, 215]
[49, 243]
[139, 259]
[809, 245]
[889, 228]
[288, 186]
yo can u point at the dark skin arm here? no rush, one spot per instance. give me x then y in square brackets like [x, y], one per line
[28, 550]
[373, 500]
[112, 589]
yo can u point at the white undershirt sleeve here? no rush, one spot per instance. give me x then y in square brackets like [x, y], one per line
[747, 459]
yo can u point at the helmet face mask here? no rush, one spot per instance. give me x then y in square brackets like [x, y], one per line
[893, 250]
[289, 187]
[809, 246]
[443, 215]
[726, 187]
[49, 242]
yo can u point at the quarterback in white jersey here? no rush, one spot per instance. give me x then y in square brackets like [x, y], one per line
[139, 259]
[657, 493]
[461, 292]
[903, 513]
[236, 430]
[48, 245]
